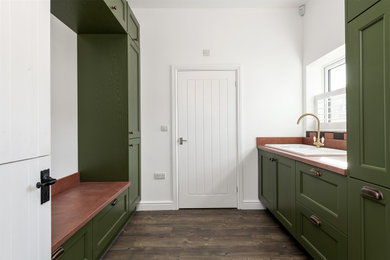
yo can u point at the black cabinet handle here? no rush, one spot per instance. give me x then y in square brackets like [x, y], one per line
[272, 159]
[371, 193]
[114, 202]
[131, 132]
[58, 253]
[131, 145]
[316, 221]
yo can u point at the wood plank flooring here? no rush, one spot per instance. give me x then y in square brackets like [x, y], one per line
[205, 234]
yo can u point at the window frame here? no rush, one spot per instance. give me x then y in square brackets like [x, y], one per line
[327, 94]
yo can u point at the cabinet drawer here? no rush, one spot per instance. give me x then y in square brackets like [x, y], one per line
[132, 25]
[320, 238]
[119, 9]
[78, 247]
[108, 222]
[356, 7]
[323, 192]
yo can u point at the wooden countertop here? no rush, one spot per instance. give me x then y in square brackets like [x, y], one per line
[330, 163]
[73, 208]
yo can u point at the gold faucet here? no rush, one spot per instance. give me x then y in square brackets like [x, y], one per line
[317, 142]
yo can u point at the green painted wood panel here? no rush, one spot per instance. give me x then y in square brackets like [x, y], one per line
[86, 16]
[119, 10]
[134, 173]
[267, 173]
[321, 241]
[132, 26]
[134, 90]
[356, 7]
[79, 246]
[285, 193]
[369, 223]
[108, 223]
[325, 194]
[103, 107]
[368, 105]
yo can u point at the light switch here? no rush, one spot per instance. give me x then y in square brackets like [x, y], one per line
[206, 52]
[164, 128]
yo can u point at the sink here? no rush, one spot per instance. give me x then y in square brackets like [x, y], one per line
[307, 150]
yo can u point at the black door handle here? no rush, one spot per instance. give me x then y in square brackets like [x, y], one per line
[46, 182]
[44, 185]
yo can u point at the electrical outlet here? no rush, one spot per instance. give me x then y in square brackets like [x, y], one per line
[159, 175]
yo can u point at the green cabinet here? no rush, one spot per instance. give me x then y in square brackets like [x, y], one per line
[368, 95]
[356, 7]
[134, 173]
[267, 169]
[277, 187]
[108, 223]
[134, 89]
[132, 26]
[119, 10]
[78, 247]
[318, 237]
[369, 221]
[324, 192]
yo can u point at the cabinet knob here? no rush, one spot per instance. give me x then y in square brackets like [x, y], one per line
[113, 7]
[114, 202]
[131, 132]
[371, 193]
[272, 159]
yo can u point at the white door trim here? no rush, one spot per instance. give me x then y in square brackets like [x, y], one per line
[174, 126]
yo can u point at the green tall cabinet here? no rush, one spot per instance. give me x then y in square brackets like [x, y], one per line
[368, 108]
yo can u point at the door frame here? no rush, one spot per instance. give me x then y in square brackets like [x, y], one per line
[175, 70]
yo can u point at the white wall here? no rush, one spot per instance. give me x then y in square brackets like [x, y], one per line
[323, 33]
[267, 43]
[63, 99]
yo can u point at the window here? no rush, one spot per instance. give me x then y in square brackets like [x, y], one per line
[330, 105]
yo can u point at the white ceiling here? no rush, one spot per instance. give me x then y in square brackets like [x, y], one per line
[214, 3]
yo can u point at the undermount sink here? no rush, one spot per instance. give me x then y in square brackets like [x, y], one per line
[307, 150]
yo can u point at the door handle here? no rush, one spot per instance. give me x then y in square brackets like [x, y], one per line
[182, 140]
[371, 193]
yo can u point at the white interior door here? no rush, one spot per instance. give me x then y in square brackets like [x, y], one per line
[25, 224]
[207, 154]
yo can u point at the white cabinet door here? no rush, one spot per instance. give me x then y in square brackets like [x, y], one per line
[24, 79]
[25, 224]
[207, 121]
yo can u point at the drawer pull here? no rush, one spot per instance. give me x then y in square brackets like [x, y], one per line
[58, 253]
[316, 172]
[272, 159]
[371, 193]
[114, 202]
[316, 221]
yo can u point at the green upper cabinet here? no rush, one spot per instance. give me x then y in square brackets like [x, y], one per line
[134, 89]
[119, 9]
[369, 221]
[368, 95]
[356, 7]
[285, 192]
[132, 26]
[267, 169]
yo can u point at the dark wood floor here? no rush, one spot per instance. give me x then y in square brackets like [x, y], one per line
[205, 234]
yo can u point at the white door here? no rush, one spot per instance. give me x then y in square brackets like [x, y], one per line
[207, 153]
[25, 224]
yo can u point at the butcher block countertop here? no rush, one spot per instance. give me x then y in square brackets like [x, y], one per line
[335, 164]
[74, 207]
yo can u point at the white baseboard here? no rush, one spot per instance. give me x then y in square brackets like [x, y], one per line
[251, 204]
[156, 205]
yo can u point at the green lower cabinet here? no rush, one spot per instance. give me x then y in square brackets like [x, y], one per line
[324, 192]
[109, 222]
[318, 237]
[267, 169]
[78, 247]
[369, 221]
[284, 209]
[134, 173]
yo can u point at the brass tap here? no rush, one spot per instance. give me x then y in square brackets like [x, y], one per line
[317, 141]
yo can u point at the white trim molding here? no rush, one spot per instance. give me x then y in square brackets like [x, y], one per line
[251, 204]
[175, 70]
[156, 205]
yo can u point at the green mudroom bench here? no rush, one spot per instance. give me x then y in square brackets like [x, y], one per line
[87, 216]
